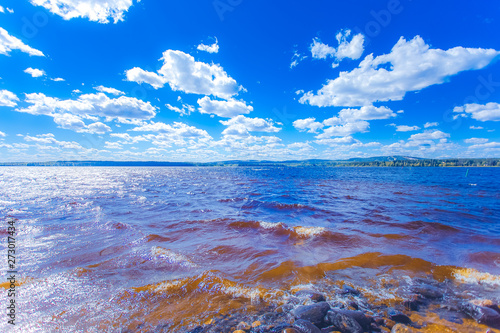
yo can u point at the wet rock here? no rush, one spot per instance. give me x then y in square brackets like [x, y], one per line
[482, 314]
[290, 330]
[280, 328]
[428, 291]
[304, 326]
[243, 326]
[343, 322]
[311, 294]
[399, 317]
[400, 328]
[329, 329]
[315, 313]
[284, 308]
[413, 303]
[363, 320]
[354, 305]
[197, 329]
[350, 290]
[486, 303]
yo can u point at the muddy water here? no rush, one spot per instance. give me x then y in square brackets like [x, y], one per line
[169, 249]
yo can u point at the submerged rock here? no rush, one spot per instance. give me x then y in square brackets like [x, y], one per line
[482, 314]
[350, 290]
[428, 291]
[315, 313]
[311, 294]
[400, 328]
[304, 326]
[343, 322]
[399, 317]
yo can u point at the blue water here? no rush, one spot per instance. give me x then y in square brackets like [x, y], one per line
[89, 237]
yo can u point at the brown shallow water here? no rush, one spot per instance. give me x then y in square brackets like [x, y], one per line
[172, 249]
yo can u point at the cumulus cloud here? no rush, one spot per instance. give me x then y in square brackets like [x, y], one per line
[476, 141]
[98, 105]
[214, 48]
[486, 146]
[111, 91]
[347, 122]
[9, 43]
[95, 10]
[487, 112]
[406, 128]
[352, 49]
[411, 66]
[50, 139]
[186, 109]
[8, 98]
[225, 109]
[58, 79]
[309, 124]
[476, 127]
[34, 72]
[183, 73]
[2, 134]
[177, 128]
[241, 126]
[428, 124]
[75, 123]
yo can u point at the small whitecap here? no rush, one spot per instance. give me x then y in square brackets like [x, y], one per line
[472, 276]
[309, 231]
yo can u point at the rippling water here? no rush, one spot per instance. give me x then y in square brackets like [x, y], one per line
[101, 249]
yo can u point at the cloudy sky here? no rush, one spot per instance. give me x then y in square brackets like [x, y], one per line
[205, 80]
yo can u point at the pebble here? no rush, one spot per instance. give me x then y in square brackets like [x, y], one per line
[243, 326]
[400, 328]
[315, 313]
[256, 323]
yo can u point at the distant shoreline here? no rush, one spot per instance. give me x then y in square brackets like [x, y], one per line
[383, 161]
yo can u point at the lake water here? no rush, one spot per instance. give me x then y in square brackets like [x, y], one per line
[168, 249]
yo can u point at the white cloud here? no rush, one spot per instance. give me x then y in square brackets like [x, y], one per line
[50, 139]
[94, 10]
[320, 50]
[309, 124]
[430, 135]
[139, 75]
[10, 10]
[111, 91]
[2, 134]
[214, 48]
[487, 112]
[77, 91]
[9, 43]
[225, 109]
[406, 128]
[58, 79]
[183, 73]
[177, 128]
[353, 49]
[344, 129]
[8, 98]
[2, 10]
[476, 140]
[90, 104]
[241, 126]
[476, 127]
[296, 59]
[98, 128]
[348, 121]
[347, 49]
[486, 146]
[34, 72]
[411, 66]
[185, 111]
[69, 121]
[428, 124]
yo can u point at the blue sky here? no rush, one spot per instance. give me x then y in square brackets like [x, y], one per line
[237, 79]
